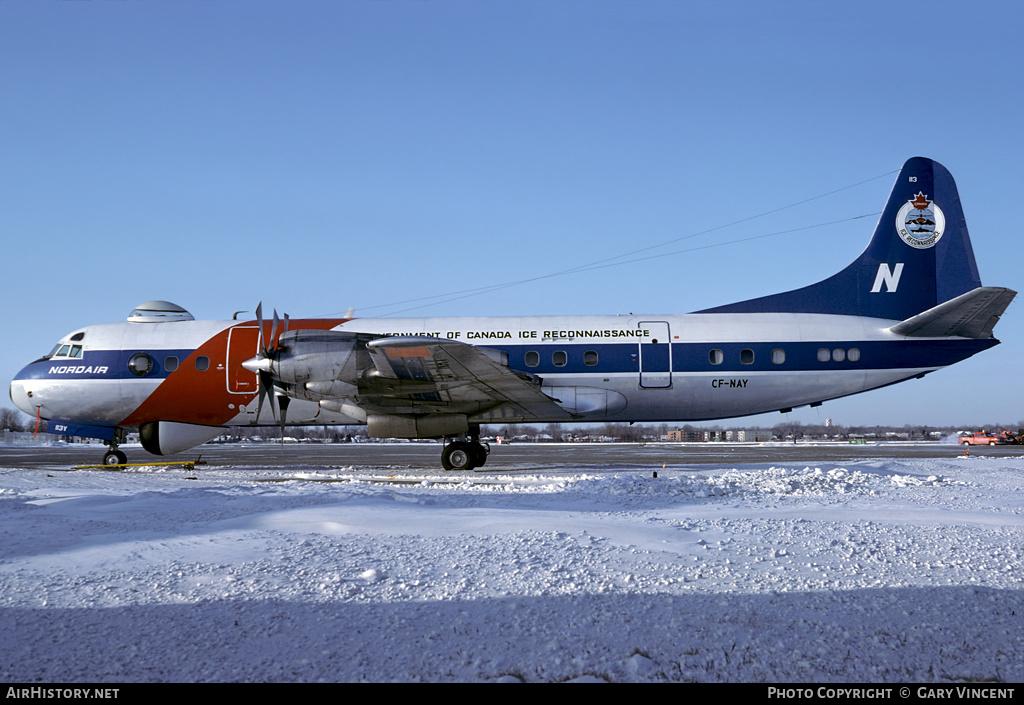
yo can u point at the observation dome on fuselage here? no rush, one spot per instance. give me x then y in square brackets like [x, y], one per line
[158, 312]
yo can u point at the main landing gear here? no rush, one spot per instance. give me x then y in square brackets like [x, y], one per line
[463, 454]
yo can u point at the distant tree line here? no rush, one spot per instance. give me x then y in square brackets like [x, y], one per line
[13, 420]
[787, 431]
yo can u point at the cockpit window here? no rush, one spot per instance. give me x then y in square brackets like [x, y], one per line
[65, 350]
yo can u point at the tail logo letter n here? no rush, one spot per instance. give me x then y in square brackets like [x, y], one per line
[890, 278]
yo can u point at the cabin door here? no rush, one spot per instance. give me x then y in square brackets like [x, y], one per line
[655, 355]
[243, 344]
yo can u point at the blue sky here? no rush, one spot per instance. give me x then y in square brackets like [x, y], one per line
[318, 156]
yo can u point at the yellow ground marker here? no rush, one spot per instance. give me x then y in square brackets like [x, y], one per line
[186, 464]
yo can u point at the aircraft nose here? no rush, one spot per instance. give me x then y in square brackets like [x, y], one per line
[22, 397]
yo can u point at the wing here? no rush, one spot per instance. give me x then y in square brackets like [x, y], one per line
[422, 375]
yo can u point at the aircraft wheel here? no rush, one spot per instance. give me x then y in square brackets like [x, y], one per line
[114, 457]
[480, 451]
[457, 456]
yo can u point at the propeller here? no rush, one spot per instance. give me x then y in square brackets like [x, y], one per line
[263, 366]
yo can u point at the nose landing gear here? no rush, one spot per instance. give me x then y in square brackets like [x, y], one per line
[113, 456]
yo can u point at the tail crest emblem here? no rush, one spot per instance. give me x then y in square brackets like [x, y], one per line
[920, 222]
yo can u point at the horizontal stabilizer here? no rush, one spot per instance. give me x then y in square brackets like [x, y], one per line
[970, 315]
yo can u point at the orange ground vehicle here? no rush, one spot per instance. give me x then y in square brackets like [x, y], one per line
[981, 438]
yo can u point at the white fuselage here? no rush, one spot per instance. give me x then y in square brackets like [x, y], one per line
[665, 367]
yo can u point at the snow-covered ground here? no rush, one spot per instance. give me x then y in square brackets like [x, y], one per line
[867, 571]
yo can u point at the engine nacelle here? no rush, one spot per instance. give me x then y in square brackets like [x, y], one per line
[587, 401]
[314, 356]
[346, 407]
[328, 391]
[170, 437]
[428, 426]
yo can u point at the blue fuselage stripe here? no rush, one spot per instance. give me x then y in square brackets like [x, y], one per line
[612, 358]
[103, 364]
[694, 357]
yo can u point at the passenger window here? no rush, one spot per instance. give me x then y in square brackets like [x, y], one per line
[838, 354]
[590, 358]
[747, 356]
[715, 357]
[532, 358]
[170, 363]
[202, 363]
[778, 356]
[559, 358]
[824, 355]
[853, 355]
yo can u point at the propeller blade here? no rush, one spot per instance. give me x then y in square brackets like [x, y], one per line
[266, 390]
[263, 393]
[262, 364]
[259, 323]
[284, 401]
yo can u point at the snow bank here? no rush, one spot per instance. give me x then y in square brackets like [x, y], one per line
[871, 571]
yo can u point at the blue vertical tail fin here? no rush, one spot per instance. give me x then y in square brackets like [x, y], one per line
[919, 257]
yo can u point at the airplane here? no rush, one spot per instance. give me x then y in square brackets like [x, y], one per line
[910, 304]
